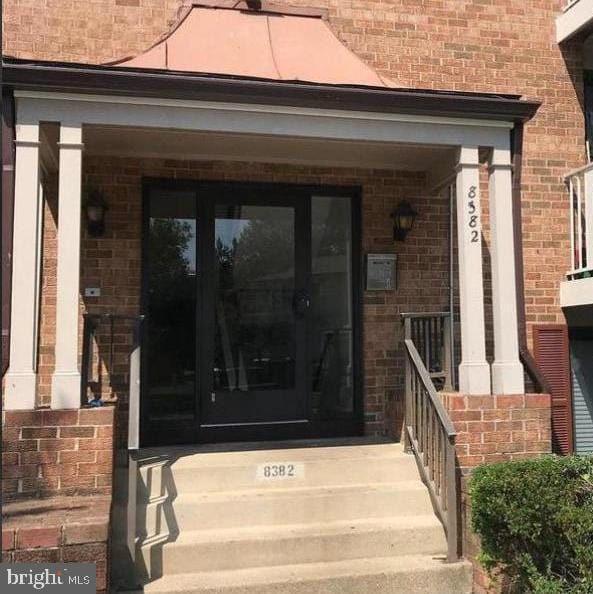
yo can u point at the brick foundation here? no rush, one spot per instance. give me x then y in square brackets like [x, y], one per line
[57, 452]
[74, 530]
[494, 429]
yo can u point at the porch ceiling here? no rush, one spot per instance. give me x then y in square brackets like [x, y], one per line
[175, 144]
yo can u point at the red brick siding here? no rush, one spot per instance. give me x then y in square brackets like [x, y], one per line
[494, 429]
[65, 542]
[57, 452]
[502, 46]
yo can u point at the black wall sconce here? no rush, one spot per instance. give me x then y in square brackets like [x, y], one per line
[403, 220]
[95, 207]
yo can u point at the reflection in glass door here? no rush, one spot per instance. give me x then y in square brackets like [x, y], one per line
[258, 331]
[331, 316]
[170, 345]
[251, 295]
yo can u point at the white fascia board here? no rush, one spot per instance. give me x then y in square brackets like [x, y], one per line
[273, 120]
[574, 19]
[575, 293]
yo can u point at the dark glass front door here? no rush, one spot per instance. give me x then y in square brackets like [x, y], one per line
[251, 313]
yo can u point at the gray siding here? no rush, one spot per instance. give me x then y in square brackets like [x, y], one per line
[581, 358]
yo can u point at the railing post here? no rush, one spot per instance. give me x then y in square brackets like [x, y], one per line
[588, 191]
[134, 390]
[571, 194]
[87, 357]
[452, 504]
[408, 387]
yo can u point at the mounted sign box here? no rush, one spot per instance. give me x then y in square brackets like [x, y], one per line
[381, 272]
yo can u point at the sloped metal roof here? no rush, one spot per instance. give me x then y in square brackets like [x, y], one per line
[256, 40]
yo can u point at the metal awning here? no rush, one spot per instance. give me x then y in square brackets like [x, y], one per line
[252, 52]
[267, 42]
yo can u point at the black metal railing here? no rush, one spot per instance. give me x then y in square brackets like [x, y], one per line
[111, 352]
[429, 432]
[431, 334]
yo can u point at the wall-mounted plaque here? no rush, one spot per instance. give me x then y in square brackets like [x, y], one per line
[381, 272]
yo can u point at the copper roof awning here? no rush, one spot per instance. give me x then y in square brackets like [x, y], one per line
[249, 51]
[270, 42]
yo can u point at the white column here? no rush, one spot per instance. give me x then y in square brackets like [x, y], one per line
[66, 378]
[21, 378]
[474, 371]
[507, 371]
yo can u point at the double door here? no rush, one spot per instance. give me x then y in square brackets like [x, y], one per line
[250, 296]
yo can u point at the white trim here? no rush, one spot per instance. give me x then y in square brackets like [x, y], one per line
[262, 108]
[507, 371]
[576, 293]
[66, 378]
[21, 379]
[474, 371]
[223, 118]
[575, 18]
[583, 169]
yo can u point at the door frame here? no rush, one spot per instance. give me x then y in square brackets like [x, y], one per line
[314, 428]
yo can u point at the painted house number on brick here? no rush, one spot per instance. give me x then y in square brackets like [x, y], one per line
[275, 471]
[473, 215]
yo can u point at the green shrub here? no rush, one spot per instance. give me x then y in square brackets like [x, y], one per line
[535, 521]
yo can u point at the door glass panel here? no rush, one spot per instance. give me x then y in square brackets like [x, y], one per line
[331, 307]
[172, 305]
[255, 330]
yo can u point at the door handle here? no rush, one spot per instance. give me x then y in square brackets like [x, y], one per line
[301, 302]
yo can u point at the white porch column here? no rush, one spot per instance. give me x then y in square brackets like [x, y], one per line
[21, 378]
[66, 378]
[507, 371]
[474, 371]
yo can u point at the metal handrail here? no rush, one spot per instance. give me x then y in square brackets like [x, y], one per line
[430, 435]
[534, 372]
[433, 337]
[90, 325]
[431, 392]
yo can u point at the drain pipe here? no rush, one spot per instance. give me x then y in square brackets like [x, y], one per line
[8, 151]
[530, 364]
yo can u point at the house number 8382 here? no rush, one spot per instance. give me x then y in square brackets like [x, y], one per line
[473, 215]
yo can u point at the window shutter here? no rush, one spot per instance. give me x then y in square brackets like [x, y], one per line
[551, 353]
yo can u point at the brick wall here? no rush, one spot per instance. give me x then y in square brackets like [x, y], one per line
[494, 429]
[502, 46]
[58, 531]
[499, 428]
[57, 452]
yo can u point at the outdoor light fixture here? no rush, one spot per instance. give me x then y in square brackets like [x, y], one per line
[403, 220]
[95, 207]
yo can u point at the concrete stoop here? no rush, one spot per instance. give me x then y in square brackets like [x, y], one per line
[352, 519]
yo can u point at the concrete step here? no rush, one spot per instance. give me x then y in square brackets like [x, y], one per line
[207, 455]
[409, 574]
[190, 511]
[285, 470]
[210, 550]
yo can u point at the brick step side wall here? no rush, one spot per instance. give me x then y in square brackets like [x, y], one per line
[57, 452]
[68, 542]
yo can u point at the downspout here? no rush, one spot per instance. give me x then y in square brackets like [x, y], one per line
[530, 364]
[8, 157]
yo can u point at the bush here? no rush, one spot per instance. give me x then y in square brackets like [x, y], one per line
[535, 521]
